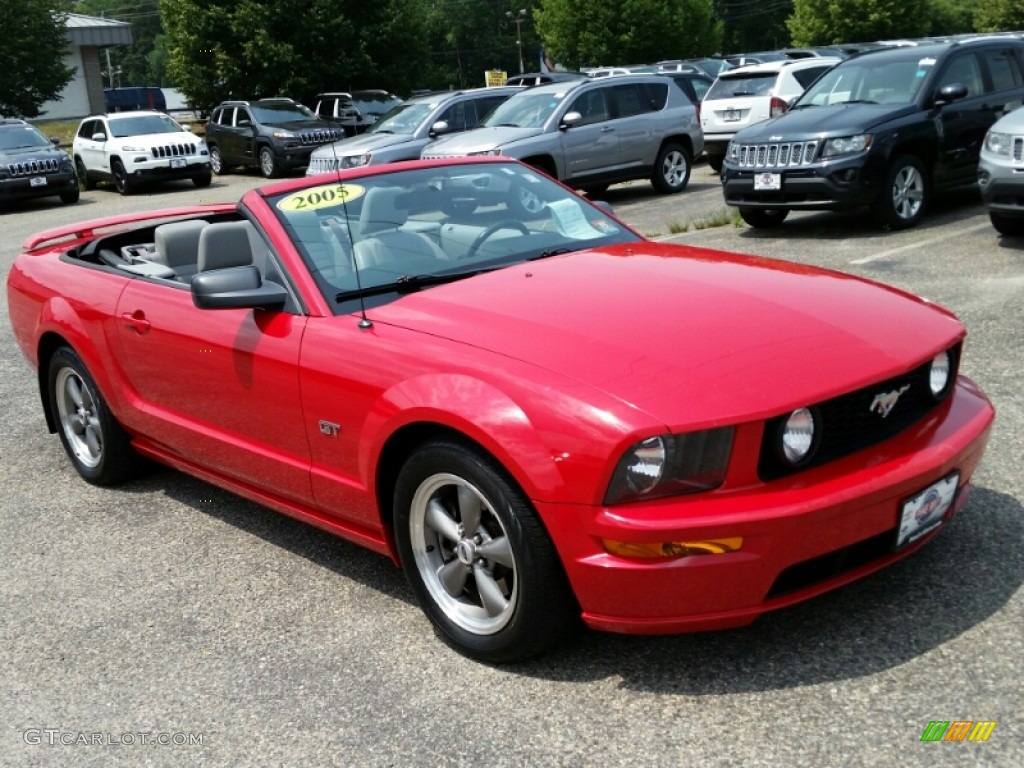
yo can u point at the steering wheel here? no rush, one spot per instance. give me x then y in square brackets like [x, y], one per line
[482, 237]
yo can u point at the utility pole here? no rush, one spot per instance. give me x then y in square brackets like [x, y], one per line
[518, 20]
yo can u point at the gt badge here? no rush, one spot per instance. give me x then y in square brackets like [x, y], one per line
[329, 428]
[884, 403]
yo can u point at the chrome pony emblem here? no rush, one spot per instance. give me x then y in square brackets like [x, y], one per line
[884, 403]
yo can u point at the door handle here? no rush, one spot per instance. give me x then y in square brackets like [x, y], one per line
[607, 129]
[136, 320]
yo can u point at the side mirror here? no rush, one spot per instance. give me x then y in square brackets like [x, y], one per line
[236, 288]
[55, 140]
[440, 128]
[569, 120]
[950, 93]
[99, 136]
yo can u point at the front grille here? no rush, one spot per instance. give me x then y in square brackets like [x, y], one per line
[850, 423]
[818, 569]
[33, 167]
[319, 136]
[186, 149]
[322, 165]
[1018, 149]
[785, 155]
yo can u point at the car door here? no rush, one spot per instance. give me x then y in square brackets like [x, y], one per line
[963, 123]
[90, 150]
[632, 119]
[591, 146]
[219, 387]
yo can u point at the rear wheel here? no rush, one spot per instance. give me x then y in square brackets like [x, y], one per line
[121, 181]
[671, 169]
[1007, 225]
[764, 218]
[595, 190]
[715, 162]
[904, 196]
[268, 163]
[477, 556]
[97, 445]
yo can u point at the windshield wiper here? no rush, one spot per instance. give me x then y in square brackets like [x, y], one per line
[551, 252]
[408, 284]
[506, 125]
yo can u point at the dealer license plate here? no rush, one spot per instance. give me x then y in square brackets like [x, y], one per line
[923, 512]
[731, 115]
[768, 182]
[37, 181]
[177, 162]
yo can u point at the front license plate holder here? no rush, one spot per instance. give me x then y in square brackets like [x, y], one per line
[767, 182]
[177, 162]
[37, 181]
[925, 511]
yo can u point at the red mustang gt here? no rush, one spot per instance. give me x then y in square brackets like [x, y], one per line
[536, 412]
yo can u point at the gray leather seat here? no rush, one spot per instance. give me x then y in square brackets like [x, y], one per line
[382, 239]
[225, 244]
[177, 245]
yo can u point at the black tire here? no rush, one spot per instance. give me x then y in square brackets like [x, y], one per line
[97, 445]
[764, 218]
[122, 183]
[672, 169]
[268, 163]
[1007, 225]
[498, 595]
[217, 161]
[202, 180]
[71, 196]
[595, 190]
[715, 162]
[904, 194]
[83, 175]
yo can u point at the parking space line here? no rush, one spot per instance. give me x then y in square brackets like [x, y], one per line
[921, 244]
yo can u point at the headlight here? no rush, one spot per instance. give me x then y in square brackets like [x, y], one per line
[355, 161]
[939, 374]
[671, 464]
[797, 436]
[485, 152]
[847, 145]
[733, 152]
[999, 143]
[132, 148]
[283, 135]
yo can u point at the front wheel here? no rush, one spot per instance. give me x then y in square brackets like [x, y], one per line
[217, 161]
[1007, 225]
[121, 181]
[268, 163]
[904, 195]
[71, 196]
[477, 556]
[764, 218]
[202, 180]
[83, 175]
[671, 169]
[97, 445]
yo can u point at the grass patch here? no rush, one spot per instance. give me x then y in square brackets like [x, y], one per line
[678, 227]
[720, 218]
[61, 129]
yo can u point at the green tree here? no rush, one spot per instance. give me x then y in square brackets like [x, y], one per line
[823, 22]
[468, 38]
[999, 15]
[221, 49]
[32, 48]
[627, 32]
[753, 25]
[952, 17]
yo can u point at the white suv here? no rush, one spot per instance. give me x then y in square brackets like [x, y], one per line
[747, 95]
[132, 148]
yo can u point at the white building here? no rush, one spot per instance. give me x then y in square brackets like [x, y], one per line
[88, 36]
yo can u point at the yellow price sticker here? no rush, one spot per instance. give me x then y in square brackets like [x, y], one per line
[325, 196]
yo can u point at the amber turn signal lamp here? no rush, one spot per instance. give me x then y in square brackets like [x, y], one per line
[644, 549]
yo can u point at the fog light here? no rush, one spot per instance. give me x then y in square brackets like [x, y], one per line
[664, 549]
[798, 436]
[938, 376]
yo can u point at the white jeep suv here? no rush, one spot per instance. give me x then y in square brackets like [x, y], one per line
[746, 95]
[132, 148]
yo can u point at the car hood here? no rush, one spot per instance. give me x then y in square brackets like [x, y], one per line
[159, 139]
[828, 121]
[364, 142]
[19, 154]
[687, 334]
[479, 140]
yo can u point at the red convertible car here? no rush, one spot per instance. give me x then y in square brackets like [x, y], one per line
[538, 414]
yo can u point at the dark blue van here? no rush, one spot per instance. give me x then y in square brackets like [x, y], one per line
[134, 97]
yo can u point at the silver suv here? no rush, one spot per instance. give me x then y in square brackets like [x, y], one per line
[1001, 173]
[750, 94]
[592, 133]
[403, 132]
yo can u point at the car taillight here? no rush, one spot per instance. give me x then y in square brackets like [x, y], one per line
[778, 106]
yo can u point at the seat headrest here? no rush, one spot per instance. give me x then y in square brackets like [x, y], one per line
[177, 242]
[382, 211]
[225, 244]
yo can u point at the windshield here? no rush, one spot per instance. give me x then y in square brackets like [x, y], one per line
[409, 230]
[283, 113]
[140, 125]
[868, 80]
[22, 137]
[529, 109]
[375, 103]
[403, 119]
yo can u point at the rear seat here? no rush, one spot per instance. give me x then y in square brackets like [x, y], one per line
[177, 246]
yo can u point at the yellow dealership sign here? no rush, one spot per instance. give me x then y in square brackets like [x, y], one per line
[495, 77]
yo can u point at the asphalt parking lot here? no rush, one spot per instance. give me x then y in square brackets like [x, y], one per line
[169, 623]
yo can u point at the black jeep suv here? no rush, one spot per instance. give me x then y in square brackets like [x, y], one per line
[883, 129]
[31, 165]
[272, 134]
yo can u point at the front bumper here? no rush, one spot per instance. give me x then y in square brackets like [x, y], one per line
[839, 184]
[1002, 189]
[802, 536]
[162, 170]
[22, 188]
